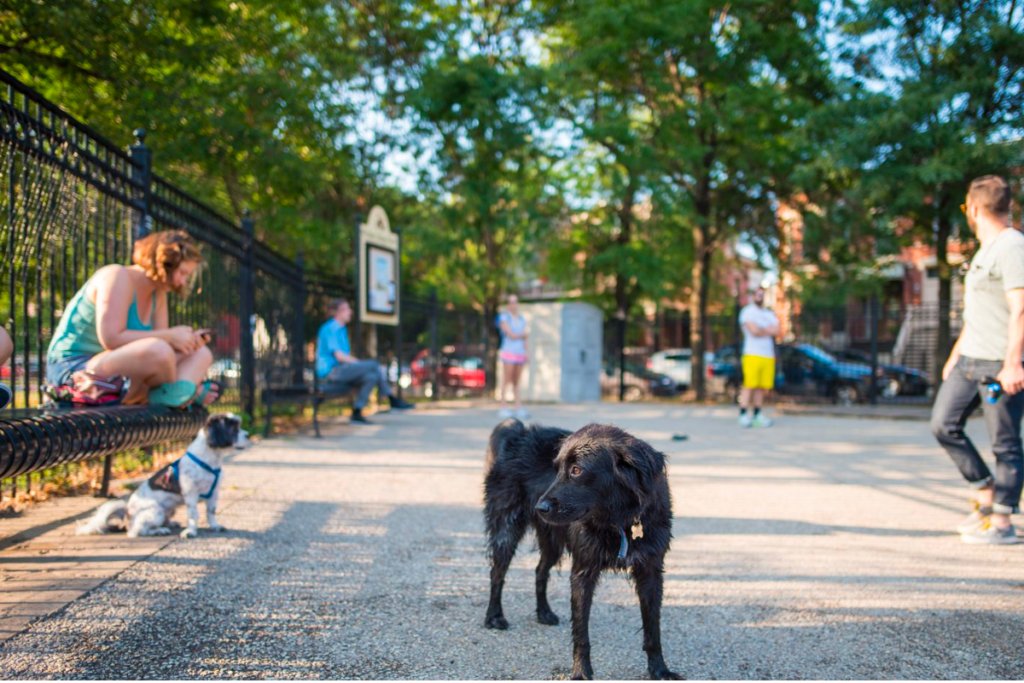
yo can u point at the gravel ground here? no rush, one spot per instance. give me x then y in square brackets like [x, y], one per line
[820, 548]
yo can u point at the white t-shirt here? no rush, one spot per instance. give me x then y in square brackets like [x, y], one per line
[763, 347]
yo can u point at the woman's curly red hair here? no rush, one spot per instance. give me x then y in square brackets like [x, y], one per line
[160, 254]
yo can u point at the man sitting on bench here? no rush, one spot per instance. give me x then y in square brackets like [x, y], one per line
[335, 363]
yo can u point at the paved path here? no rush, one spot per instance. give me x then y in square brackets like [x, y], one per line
[819, 549]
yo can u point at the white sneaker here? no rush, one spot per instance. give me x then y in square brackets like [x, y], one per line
[522, 414]
[746, 420]
[505, 413]
[974, 521]
[988, 534]
[762, 421]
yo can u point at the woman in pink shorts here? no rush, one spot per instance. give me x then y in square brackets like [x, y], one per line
[513, 355]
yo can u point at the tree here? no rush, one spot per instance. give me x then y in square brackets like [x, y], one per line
[951, 77]
[240, 99]
[614, 224]
[471, 96]
[724, 85]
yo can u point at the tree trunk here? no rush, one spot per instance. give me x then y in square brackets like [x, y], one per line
[699, 308]
[622, 294]
[943, 343]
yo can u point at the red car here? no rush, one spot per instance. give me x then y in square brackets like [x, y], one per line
[461, 370]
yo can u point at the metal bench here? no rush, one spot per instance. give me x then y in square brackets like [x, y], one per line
[35, 440]
[292, 392]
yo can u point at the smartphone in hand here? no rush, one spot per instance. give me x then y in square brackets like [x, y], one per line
[207, 334]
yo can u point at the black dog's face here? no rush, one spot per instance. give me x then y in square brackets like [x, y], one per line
[223, 430]
[602, 471]
[587, 480]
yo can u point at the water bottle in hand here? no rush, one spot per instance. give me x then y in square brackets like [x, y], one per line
[993, 389]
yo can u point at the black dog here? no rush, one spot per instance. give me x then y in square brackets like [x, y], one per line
[600, 493]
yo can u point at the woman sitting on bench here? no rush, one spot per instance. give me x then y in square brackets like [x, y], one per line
[117, 324]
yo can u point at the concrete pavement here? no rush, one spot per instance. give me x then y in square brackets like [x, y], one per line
[820, 548]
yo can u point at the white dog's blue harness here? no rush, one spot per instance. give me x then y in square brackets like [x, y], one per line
[211, 470]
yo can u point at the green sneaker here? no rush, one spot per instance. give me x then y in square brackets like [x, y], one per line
[762, 421]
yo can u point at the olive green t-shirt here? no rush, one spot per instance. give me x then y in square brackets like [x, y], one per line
[997, 268]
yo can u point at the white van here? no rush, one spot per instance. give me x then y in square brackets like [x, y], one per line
[676, 363]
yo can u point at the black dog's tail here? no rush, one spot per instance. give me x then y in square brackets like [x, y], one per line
[502, 434]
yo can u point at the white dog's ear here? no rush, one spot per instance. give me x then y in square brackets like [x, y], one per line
[222, 430]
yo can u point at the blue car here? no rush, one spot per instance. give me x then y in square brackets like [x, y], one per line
[902, 381]
[805, 370]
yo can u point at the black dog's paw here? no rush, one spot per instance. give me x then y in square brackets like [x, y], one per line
[496, 621]
[666, 675]
[548, 618]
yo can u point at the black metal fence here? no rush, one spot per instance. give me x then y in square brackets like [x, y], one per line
[71, 202]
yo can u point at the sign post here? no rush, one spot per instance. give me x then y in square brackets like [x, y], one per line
[379, 264]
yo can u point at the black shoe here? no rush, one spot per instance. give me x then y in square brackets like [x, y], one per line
[357, 418]
[399, 404]
[5, 396]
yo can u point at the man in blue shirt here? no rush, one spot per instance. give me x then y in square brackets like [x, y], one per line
[336, 364]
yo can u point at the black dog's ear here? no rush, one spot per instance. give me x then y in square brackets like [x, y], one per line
[638, 466]
[222, 430]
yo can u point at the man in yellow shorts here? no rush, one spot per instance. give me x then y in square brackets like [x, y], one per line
[760, 325]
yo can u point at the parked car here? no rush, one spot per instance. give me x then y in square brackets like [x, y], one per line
[225, 368]
[19, 369]
[462, 369]
[902, 381]
[640, 382]
[404, 380]
[676, 363]
[723, 370]
[805, 370]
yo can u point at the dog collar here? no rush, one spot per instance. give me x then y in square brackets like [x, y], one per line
[623, 544]
[636, 530]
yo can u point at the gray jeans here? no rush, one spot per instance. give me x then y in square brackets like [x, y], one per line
[959, 396]
[365, 374]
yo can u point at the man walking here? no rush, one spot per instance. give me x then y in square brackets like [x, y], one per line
[760, 325]
[335, 363]
[991, 346]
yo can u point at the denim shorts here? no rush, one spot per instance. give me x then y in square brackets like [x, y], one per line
[59, 370]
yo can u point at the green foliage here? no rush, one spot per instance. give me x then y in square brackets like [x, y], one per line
[934, 99]
[237, 97]
[474, 110]
[612, 145]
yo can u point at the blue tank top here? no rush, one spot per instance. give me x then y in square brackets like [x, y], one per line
[76, 334]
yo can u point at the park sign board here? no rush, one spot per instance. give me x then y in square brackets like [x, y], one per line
[379, 270]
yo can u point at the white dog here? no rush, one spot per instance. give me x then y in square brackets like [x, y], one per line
[193, 476]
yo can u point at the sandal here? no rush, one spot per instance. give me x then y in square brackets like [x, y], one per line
[207, 385]
[174, 394]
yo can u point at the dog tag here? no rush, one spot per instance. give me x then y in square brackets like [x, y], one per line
[637, 530]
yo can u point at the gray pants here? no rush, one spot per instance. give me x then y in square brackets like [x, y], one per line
[365, 374]
[959, 396]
